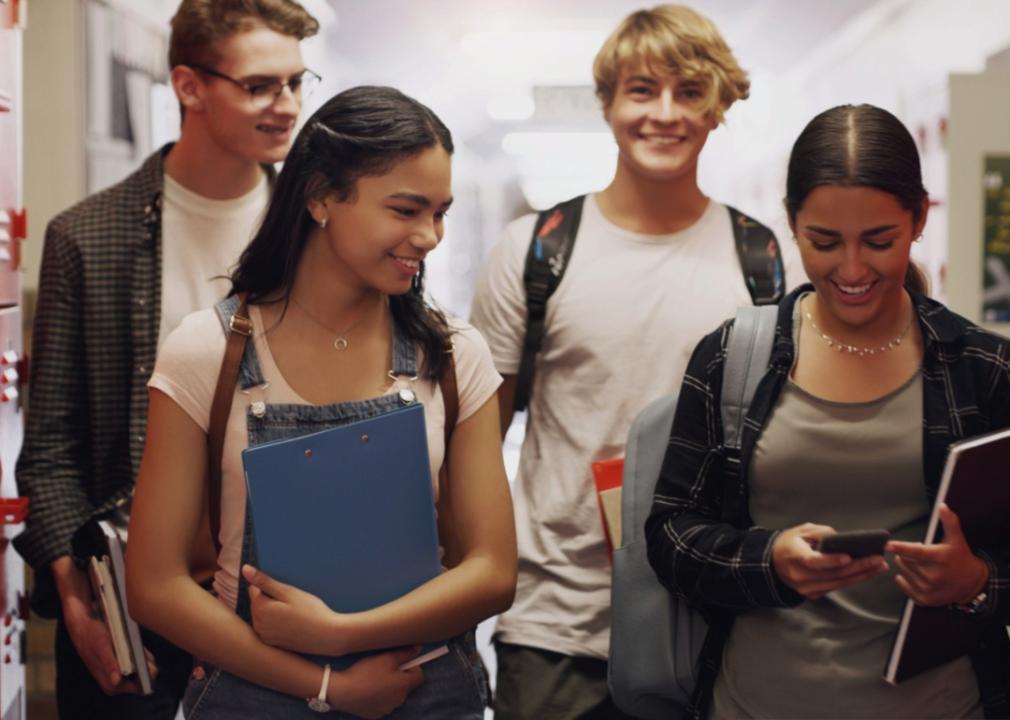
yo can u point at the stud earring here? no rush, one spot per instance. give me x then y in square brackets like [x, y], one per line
[322, 221]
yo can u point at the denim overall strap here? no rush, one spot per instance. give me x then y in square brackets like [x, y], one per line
[278, 421]
[404, 354]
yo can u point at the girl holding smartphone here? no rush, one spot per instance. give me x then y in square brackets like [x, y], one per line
[868, 383]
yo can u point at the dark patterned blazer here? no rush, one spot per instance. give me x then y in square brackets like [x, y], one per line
[94, 342]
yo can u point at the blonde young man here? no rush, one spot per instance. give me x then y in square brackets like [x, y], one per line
[654, 268]
[119, 271]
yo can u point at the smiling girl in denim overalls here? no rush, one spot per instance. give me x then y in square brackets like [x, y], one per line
[333, 282]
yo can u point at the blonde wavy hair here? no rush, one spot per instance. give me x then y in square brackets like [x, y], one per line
[677, 40]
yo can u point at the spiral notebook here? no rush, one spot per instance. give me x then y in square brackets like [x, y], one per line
[348, 513]
[974, 485]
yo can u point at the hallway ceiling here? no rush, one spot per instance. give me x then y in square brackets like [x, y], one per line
[456, 55]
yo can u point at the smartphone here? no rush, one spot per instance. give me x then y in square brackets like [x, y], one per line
[855, 543]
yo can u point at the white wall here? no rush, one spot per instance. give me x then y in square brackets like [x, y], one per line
[54, 173]
[897, 55]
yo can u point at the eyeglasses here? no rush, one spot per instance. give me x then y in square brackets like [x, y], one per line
[264, 93]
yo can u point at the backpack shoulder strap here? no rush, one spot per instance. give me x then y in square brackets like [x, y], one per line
[239, 330]
[443, 508]
[760, 258]
[546, 262]
[450, 395]
[648, 440]
[747, 354]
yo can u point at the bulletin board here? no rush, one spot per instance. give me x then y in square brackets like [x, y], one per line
[996, 239]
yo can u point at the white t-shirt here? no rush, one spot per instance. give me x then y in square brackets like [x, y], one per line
[187, 370]
[620, 329]
[201, 239]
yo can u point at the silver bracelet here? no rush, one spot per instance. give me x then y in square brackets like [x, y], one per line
[318, 703]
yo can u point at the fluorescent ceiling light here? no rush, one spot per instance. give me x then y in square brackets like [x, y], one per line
[559, 143]
[530, 57]
[542, 194]
[569, 167]
[493, 43]
[510, 107]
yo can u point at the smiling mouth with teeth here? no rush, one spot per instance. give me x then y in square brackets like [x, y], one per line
[663, 139]
[414, 263]
[854, 289]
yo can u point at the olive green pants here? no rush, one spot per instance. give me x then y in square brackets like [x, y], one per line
[536, 684]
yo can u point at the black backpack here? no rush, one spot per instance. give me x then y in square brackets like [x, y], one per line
[551, 247]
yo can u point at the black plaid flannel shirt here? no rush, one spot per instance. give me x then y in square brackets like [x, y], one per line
[702, 541]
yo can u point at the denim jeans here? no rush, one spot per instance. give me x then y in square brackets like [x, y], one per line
[454, 688]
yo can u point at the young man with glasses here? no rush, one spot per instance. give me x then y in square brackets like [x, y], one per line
[119, 271]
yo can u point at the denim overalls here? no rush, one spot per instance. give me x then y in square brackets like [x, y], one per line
[454, 685]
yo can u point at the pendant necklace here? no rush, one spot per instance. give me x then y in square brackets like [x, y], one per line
[340, 342]
[861, 351]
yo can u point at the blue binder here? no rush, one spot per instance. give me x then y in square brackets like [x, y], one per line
[347, 513]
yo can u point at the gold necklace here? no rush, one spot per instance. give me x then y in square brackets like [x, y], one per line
[340, 342]
[856, 349]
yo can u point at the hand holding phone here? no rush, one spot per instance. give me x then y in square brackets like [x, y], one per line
[854, 543]
[813, 574]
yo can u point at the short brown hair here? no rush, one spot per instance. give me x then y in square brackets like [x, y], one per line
[680, 41]
[198, 25]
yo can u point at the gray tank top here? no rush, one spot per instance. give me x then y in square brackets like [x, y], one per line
[852, 466]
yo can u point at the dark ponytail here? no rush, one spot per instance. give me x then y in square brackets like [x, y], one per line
[364, 131]
[915, 278]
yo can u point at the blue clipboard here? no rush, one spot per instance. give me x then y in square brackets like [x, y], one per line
[347, 513]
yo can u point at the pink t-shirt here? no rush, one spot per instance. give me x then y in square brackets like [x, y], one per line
[187, 370]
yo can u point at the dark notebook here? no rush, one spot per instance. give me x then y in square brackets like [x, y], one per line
[347, 513]
[976, 486]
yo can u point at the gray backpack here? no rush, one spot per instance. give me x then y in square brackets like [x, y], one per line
[655, 637]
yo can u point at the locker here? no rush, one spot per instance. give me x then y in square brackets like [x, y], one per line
[13, 368]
